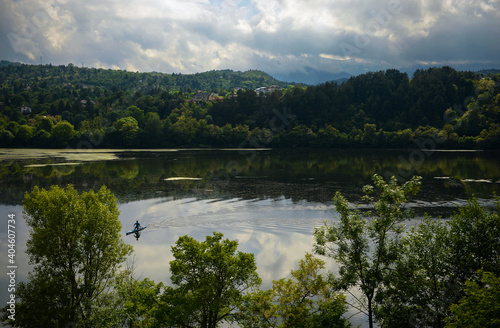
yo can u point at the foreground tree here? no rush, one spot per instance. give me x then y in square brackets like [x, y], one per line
[76, 249]
[209, 279]
[425, 261]
[304, 300]
[367, 245]
[474, 239]
[439, 257]
[130, 303]
[480, 307]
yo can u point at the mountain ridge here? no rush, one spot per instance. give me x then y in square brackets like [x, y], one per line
[213, 80]
[249, 79]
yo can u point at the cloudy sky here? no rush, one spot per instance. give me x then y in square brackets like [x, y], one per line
[280, 37]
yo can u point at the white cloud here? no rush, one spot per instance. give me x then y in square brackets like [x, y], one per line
[276, 36]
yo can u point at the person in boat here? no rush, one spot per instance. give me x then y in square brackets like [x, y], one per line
[137, 225]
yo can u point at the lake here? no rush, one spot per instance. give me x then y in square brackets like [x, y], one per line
[268, 200]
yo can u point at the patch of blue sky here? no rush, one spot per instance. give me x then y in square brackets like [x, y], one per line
[250, 6]
[241, 4]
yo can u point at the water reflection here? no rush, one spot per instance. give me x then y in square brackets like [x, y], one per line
[306, 175]
[278, 232]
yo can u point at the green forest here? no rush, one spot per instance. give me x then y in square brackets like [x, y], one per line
[47, 106]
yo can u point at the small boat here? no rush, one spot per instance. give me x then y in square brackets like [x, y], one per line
[136, 230]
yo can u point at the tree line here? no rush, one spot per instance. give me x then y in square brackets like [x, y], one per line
[108, 108]
[437, 273]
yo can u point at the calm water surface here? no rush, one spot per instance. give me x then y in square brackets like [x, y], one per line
[268, 200]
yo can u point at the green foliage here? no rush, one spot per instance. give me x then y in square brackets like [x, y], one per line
[184, 130]
[304, 300]
[425, 262]
[45, 123]
[475, 239]
[130, 303]
[141, 299]
[153, 130]
[480, 307]
[463, 107]
[6, 137]
[136, 113]
[75, 248]
[366, 249]
[438, 258]
[62, 133]
[210, 278]
[42, 138]
[24, 135]
[13, 127]
[128, 129]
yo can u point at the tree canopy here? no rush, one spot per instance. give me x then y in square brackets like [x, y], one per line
[76, 249]
[480, 307]
[209, 279]
[367, 245]
[306, 299]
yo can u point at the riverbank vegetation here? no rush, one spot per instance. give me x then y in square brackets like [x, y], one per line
[437, 273]
[66, 106]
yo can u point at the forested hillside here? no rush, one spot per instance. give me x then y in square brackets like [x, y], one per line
[61, 106]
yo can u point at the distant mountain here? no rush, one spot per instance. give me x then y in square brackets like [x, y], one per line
[229, 79]
[313, 76]
[482, 69]
[141, 81]
[8, 63]
[486, 72]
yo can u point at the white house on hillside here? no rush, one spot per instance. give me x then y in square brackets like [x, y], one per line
[25, 109]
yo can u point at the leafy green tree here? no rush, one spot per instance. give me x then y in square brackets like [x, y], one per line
[128, 130]
[328, 136]
[438, 258]
[490, 138]
[304, 300]
[209, 279]
[6, 137]
[136, 113]
[24, 135]
[130, 303]
[120, 122]
[480, 307]
[475, 240]
[13, 127]
[76, 249]
[299, 136]
[369, 133]
[45, 123]
[153, 129]
[42, 138]
[62, 133]
[17, 100]
[425, 262]
[184, 130]
[367, 246]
